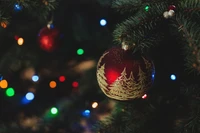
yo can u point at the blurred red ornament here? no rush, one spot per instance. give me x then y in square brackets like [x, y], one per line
[172, 7]
[123, 75]
[48, 39]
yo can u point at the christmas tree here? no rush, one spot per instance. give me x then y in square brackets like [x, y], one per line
[150, 24]
[48, 66]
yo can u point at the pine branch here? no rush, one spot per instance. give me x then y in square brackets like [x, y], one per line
[191, 122]
[126, 5]
[132, 117]
[189, 6]
[191, 32]
[131, 6]
[138, 29]
[42, 7]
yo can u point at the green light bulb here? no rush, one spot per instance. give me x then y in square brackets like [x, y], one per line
[54, 110]
[146, 8]
[80, 51]
[10, 92]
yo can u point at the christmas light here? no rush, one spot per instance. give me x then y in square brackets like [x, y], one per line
[54, 110]
[4, 24]
[86, 113]
[94, 105]
[75, 84]
[35, 78]
[17, 7]
[50, 26]
[146, 8]
[3, 84]
[29, 96]
[20, 41]
[153, 76]
[1, 77]
[173, 77]
[103, 22]
[62, 78]
[144, 96]
[80, 51]
[52, 84]
[16, 37]
[10, 92]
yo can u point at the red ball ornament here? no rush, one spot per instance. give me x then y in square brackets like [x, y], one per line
[123, 75]
[48, 39]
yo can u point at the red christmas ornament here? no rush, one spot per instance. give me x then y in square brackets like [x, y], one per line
[172, 7]
[123, 75]
[48, 39]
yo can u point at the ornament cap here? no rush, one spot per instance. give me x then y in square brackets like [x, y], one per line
[126, 46]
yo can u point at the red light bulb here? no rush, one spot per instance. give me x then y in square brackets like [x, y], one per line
[62, 78]
[144, 96]
[75, 84]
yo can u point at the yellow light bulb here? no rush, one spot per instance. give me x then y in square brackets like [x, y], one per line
[20, 41]
[94, 105]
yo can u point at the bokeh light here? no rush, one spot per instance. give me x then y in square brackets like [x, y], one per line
[80, 51]
[3, 84]
[28, 73]
[54, 110]
[27, 98]
[30, 96]
[146, 8]
[103, 22]
[17, 7]
[4, 24]
[20, 41]
[50, 26]
[52, 84]
[75, 84]
[94, 105]
[62, 78]
[144, 96]
[1, 77]
[153, 76]
[35, 78]
[10, 92]
[86, 113]
[16, 37]
[173, 77]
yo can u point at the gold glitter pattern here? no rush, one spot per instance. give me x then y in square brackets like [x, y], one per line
[98, 65]
[102, 79]
[123, 88]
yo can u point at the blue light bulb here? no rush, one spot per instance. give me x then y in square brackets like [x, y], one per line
[103, 22]
[35, 78]
[17, 7]
[1, 77]
[86, 113]
[30, 96]
[173, 77]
